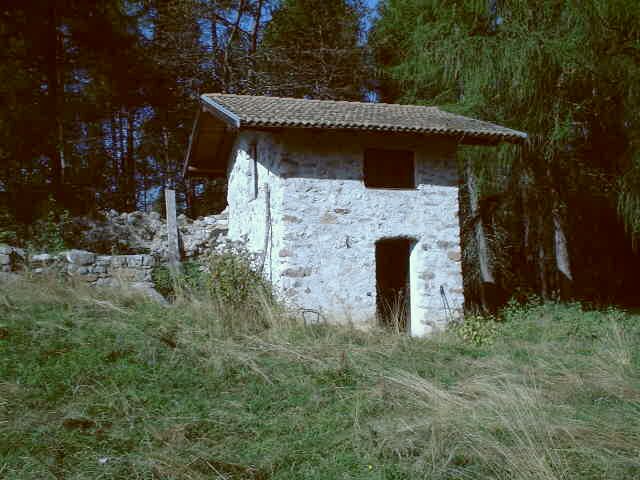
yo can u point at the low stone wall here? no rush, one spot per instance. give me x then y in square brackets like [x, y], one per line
[138, 232]
[86, 266]
[129, 232]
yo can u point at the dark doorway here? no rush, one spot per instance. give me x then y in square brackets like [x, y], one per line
[392, 283]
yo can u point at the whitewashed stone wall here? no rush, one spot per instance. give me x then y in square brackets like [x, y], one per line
[325, 222]
[255, 220]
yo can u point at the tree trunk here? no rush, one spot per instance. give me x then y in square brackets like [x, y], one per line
[55, 95]
[542, 258]
[214, 31]
[130, 164]
[486, 271]
[561, 250]
[256, 27]
[227, 53]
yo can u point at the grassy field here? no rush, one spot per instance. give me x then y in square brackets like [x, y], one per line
[102, 384]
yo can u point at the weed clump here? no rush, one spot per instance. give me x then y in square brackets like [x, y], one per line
[232, 280]
[191, 277]
[477, 329]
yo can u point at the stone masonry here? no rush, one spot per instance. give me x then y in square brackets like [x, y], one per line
[315, 224]
[86, 266]
[126, 231]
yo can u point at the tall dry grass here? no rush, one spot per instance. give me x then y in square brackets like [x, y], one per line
[555, 395]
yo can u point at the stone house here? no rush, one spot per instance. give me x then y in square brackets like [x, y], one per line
[352, 206]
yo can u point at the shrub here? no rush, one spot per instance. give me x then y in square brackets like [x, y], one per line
[8, 227]
[477, 329]
[232, 280]
[48, 233]
[192, 277]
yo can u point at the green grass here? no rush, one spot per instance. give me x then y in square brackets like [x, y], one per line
[102, 384]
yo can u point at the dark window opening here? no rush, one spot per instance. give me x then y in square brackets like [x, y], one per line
[392, 283]
[389, 169]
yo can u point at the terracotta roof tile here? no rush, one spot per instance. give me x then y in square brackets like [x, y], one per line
[258, 111]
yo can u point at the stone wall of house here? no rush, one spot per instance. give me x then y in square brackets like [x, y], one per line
[255, 196]
[323, 223]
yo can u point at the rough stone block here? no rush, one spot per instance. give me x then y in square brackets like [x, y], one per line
[133, 274]
[134, 260]
[454, 255]
[148, 291]
[426, 276]
[148, 260]
[444, 244]
[80, 257]
[103, 260]
[297, 272]
[119, 261]
[105, 282]
[42, 259]
[328, 218]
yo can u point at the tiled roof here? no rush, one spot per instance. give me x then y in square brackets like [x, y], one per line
[246, 111]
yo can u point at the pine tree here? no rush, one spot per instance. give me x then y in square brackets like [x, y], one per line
[565, 72]
[314, 49]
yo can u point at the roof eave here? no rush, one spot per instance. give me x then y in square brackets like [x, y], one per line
[516, 138]
[220, 112]
[475, 138]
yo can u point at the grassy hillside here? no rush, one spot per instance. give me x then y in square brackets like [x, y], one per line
[101, 384]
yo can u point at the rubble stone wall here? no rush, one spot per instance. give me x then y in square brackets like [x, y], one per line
[139, 232]
[86, 266]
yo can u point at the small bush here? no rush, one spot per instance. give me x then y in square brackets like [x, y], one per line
[232, 280]
[8, 227]
[477, 329]
[48, 233]
[192, 278]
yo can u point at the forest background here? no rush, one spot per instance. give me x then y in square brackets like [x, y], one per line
[97, 101]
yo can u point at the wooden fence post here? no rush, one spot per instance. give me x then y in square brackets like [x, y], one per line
[173, 244]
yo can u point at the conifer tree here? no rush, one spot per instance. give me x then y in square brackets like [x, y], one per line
[565, 72]
[314, 49]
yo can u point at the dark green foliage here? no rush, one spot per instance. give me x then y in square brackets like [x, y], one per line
[191, 277]
[314, 49]
[50, 232]
[97, 99]
[567, 74]
[476, 329]
[225, 277]
[9, 228]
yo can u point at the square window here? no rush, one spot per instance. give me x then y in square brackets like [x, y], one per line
[389, 169]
